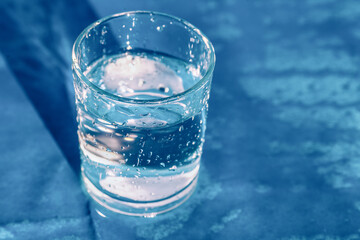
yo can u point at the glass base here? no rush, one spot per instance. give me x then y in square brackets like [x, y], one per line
[141, 209]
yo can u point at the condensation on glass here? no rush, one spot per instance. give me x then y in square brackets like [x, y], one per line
[142, 82]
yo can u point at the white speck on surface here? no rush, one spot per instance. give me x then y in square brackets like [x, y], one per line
[232, 215]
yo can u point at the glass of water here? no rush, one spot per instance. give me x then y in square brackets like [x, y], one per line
[142, 82]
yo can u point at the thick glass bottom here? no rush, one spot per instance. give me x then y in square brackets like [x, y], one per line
[141, 209]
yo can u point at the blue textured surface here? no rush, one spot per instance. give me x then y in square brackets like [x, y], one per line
[282, 152]
[40, 195]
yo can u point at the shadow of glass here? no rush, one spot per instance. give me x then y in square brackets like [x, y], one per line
[37, 41]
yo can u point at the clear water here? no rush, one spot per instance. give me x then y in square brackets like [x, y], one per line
[143, 159]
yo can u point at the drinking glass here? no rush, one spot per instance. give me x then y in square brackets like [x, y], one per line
[142, 81]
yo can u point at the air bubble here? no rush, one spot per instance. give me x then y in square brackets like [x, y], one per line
[141, 83]
[162, 164]
[163, 89]
[145, 114]
[173, 168]
[160, 28]
[181, 128]
[103, 31]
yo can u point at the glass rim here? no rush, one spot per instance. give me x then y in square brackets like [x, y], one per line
[196, 86]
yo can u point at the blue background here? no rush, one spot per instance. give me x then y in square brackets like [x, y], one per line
[282, 152]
